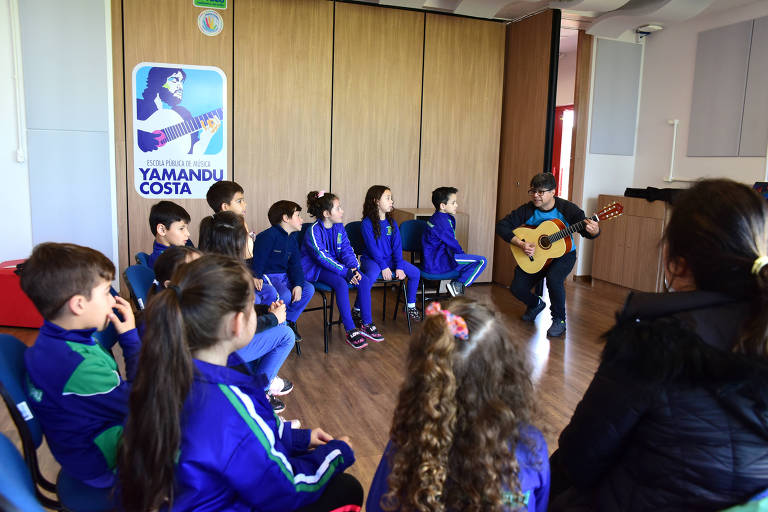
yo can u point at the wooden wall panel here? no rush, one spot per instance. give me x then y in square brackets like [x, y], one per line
[124, 258]
[523, 124]
[283, 53]
[463, 73]
[376, 103]
[580, 121]
[167, 32]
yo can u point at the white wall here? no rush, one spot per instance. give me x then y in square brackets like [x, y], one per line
[16, 228]
[603, 174]
[68, 92]
[667, 87]
[566, 78]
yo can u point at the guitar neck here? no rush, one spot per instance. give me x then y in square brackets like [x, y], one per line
[571, 229]
[184, 128]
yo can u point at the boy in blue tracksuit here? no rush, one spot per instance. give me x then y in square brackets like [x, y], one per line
[225, 196]
[169, 224]
[73, 384]
[327, 257]
[277, 260]
[442, 252]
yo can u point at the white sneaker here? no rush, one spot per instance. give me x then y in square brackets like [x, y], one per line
[280, 386]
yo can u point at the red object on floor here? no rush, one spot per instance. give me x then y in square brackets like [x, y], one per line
[16, 310]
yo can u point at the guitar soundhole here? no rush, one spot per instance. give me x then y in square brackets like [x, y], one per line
[544, 242]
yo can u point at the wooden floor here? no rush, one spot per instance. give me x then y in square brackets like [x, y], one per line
[350, 392]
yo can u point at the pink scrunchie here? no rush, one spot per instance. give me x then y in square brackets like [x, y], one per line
[456, 324]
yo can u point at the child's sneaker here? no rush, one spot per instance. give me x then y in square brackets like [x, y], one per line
[455, 288]
[357, 317]
[413, 313]
[356, 339]
[371, 332]
[276, 403]
[557, 328]
[280, 386]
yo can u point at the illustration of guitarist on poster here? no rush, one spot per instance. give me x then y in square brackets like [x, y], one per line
[179, 137]
[540, 234]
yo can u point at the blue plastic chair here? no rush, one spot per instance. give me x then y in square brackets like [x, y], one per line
[139, 279]
[355, 234]
[142, 258]
[73, 495]
[411, 232]
[17, 489]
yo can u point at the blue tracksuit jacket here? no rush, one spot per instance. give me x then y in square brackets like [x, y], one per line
[439, 244]
[76, 392]
[236, 455]
[387, 250]
[534, 476]
[277, 252]
[329, 249]
[158, 249]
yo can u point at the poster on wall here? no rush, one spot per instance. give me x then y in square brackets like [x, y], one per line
[179, 135]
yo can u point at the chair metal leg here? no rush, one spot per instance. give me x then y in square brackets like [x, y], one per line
[423, 300]
[405, 299]
[384, 302]
[325, 323]
[298, 348]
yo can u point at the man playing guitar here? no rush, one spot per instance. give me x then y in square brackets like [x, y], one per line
[544, 205]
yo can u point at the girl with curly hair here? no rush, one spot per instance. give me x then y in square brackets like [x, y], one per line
[383, 247]
[461, 436]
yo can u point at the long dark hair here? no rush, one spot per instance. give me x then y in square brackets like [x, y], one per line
[167, 263]
[371, 209]
[719, 228]
[317, 204]
[224, 233]
[180, 320]
[460, 409]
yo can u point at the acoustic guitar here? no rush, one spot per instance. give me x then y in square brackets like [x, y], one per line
[553, 239]
[172, 134]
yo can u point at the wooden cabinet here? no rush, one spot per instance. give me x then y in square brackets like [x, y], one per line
[628, 250]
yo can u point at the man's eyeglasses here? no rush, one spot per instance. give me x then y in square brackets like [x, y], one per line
[535, 192]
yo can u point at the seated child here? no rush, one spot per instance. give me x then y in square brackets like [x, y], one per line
[167, 263]
[200, 435]
[225, 233]
[383, 247]
[74, 386]
[169, 224]
[327, 257]
[277, 260]
[442, 252]
[462, 437]
[226, 196]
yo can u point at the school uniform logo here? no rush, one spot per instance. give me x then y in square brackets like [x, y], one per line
[338, 238]
[389, 230]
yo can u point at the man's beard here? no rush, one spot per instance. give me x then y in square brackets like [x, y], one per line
[169, 98]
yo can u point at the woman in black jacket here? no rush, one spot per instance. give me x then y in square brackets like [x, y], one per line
[676, 417]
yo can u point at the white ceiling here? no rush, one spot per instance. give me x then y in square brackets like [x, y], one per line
[606, 18]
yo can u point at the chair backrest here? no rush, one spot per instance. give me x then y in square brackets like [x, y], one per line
[142, 258]
[410, 234]
[12, 376]
[139, 279]
[17, 488]
[355, 234]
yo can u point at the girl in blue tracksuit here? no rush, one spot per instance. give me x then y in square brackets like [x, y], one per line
[478, 449]
[383, 247]
[201, 436]
[327, 257]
